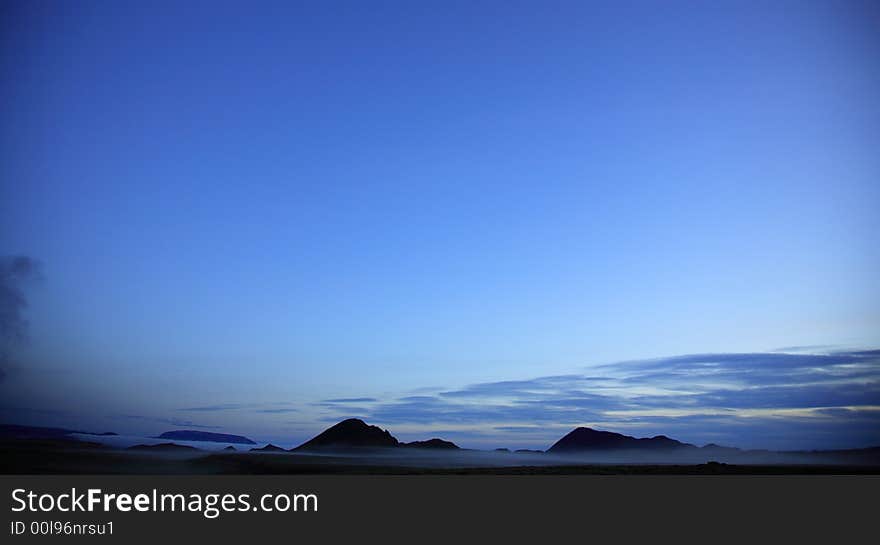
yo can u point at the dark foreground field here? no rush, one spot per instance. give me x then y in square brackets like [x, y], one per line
[75, 457]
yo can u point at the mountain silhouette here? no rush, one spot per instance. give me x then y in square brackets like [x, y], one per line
[720, 450]
[194, 435]
[268, 448]
[39, 432]
[432, 444]
[163, 447]
[353, 445]
[587, 439]
[350, 433]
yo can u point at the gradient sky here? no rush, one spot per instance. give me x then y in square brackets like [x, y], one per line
[242, 212]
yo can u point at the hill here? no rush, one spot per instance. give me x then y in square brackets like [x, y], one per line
[588, 439]
[350, 433]
[269, 448]
[432, 444]
[39, 432]
[194, 435]
[163, 447]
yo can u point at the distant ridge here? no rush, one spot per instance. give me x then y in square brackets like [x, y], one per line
[195, 435]
[28, 449]
[40, 432]
[163, 447]
[588, 439]
[432, 444]
[353, 432]
[268, 448]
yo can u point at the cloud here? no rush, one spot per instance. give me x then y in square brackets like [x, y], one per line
[16, 412]
[736, 398]
[219, 407]
[170, 421]
[350, 400]
[16, 272]
[806, 348]
[788, 397]
[747, 369]
[265, 408]
[533, 388]
[822, 429]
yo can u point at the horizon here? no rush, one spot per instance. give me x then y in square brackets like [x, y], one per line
[485, 223]
[213, 436]
[826, 427]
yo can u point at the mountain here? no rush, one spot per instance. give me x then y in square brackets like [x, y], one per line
[268, 448]
[718, 450]
[37, 432]
[163, 447]
[230, 448]
[193, 435]
[588, 439]
[350, 433]
[432, 444]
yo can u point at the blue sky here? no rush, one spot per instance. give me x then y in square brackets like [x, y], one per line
[267, 207]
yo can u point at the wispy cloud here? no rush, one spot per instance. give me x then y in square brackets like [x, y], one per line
[219, 407]
[716, 396]
[255, 407]
[170, 421]
[808, 348]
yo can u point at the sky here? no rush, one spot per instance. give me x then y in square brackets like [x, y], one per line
[263, 217]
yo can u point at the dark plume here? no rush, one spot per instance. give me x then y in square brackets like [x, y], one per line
[16, 273]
